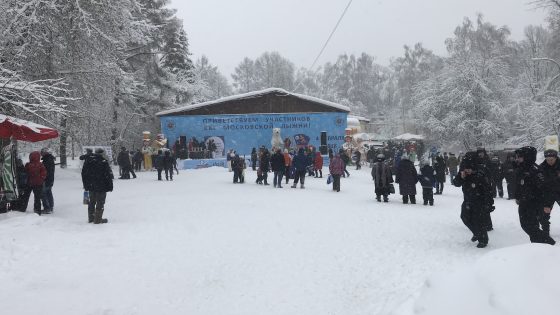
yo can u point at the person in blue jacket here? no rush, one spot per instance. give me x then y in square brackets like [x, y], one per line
[300, 165]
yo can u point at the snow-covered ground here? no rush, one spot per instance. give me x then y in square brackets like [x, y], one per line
[202, 245]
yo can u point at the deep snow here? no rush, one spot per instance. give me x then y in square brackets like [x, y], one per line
[202, 245]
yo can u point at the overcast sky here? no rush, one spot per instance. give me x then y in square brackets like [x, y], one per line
[226, 31]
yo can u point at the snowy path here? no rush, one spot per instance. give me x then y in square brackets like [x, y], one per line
[201, 245]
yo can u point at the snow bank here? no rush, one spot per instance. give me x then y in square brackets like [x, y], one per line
[519, 280]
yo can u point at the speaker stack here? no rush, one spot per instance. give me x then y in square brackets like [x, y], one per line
[324, 149]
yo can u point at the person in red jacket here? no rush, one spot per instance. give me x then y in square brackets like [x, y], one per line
[336, 167]
[318, 165]
[36, 175]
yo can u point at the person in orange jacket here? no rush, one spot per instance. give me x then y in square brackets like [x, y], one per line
[287, 164]
[318, 165]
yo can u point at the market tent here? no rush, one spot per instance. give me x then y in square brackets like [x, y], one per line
[409, 136]
[24, 130]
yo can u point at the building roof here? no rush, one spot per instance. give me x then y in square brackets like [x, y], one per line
[253, 95]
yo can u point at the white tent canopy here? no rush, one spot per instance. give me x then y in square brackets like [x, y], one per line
[409, 136]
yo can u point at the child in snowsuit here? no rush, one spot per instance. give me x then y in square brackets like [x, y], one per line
[427, 180]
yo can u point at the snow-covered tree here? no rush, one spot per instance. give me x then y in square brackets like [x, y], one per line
[216, 84]
[244, 79]
[466, 101]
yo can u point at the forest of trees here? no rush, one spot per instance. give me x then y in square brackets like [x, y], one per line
[98, 71]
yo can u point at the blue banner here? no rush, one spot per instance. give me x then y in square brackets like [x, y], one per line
[244, 132]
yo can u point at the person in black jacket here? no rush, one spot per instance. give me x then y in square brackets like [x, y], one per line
[382, 177]
[529, 195]
[254, 158]
[158, 163]
[358, 157]
[510, 168]
[346, 160]
[138, 157]
[264, 165]
[168, 165]
[439, 168]
[497, 170]
[97, 179]
[427, 180]
[407, 177]
[475, 180]
[551, 172]
[48, 199]
[237, 165]
[123, 159]
[277, 165]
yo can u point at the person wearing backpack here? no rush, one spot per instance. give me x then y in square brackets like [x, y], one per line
[36, 176]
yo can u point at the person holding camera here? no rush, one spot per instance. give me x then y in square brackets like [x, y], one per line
[478, 202]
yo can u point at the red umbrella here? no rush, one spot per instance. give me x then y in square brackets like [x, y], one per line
[24, 130]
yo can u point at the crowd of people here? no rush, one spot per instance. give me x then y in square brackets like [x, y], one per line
[535, 188]
[37, 177]
[164, 161]
[295, 164]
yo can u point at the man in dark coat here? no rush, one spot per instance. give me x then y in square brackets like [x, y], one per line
[167, 165]
[264, 165]
[510, 168]
[123, 159]
[346, 160]
[382, 176]
[97, 179]
[497, 170]
[439, 167]
[277, 164]
[48, 199]
[237, 165]
[529, 195]
[158, 163]
[358, 158]
[551, 172]
[300, 164]
[138, 158]
[474, 178]
[407, 177]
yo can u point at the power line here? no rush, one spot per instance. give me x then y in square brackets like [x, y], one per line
[328, 39]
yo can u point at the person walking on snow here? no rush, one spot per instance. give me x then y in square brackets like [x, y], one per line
[407, 177]
[427, 180]
[551, 171]
[382, 177]
[97, 179]
[529, 195]
[300, 164]
[475, 181]
[336, 168]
